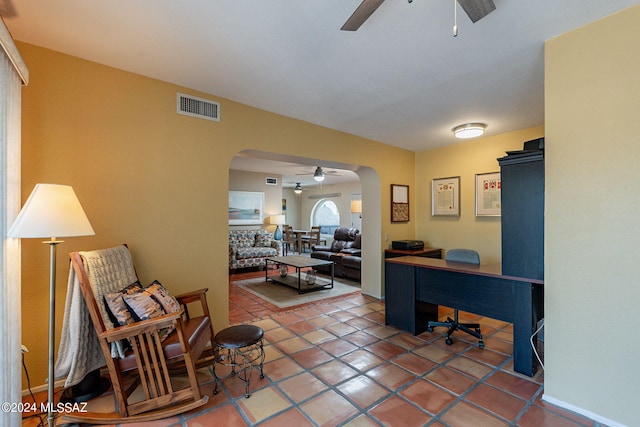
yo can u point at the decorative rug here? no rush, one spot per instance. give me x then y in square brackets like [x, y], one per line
[283, 296]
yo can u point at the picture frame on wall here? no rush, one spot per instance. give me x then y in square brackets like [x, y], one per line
[488, 194]
[445, 196]
[246, 208]
[399, 203]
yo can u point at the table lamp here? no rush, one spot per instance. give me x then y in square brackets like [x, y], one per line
[278, 220]
[51, 211]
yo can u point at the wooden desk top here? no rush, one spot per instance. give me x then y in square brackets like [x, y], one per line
[490, 270]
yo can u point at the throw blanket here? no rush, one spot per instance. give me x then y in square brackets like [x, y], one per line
[108, 270]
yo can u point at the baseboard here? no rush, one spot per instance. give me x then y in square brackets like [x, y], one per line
[43, 387]
[581, 411]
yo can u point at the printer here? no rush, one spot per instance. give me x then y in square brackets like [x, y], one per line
[407, 244]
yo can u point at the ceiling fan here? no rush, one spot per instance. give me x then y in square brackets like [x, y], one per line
[475, 9]
[320, 173]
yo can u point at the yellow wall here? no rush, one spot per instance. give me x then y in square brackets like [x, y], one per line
[464, 159]
[592, 290]
[159, 181]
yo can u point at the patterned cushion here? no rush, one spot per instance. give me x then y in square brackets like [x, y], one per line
[116, 308]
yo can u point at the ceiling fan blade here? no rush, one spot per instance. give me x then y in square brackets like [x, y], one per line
[361, 14]
[477, 9]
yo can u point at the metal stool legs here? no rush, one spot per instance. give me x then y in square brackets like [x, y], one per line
[242, 349]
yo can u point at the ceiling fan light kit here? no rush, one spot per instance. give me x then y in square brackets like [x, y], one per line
[469, 130]
[298, 188]
[318, 175]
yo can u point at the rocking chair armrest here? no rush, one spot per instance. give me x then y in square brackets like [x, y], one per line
[192, 296]
[141, 327]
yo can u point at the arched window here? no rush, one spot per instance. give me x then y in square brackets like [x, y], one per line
[326, 215]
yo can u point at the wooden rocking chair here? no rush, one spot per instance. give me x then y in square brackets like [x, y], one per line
[150, 359]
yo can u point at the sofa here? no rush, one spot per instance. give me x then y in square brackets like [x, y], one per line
[345, 251]
[249, 248]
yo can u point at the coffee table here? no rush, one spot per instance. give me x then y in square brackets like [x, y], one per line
[294, 280]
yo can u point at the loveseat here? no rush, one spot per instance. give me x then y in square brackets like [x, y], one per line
[345, 251]
[249, 248]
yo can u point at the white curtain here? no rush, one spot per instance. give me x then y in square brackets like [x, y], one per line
[13, 72]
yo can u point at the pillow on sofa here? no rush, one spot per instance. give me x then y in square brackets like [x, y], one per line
[264, 240]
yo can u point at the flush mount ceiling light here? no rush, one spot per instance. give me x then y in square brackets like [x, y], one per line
[469, 130]
[298, 188]
[318, 175]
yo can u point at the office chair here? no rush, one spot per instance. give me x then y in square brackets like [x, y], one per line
[467, 256]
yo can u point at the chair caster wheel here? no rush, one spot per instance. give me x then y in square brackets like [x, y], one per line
[478, 330]
[261, 376]
[448, 341]
[481, 344]
[429, 329]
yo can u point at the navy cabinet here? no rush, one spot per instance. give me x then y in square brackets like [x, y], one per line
[522, 194]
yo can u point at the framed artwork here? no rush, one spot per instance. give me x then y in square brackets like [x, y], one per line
[445, 196]
[246, 208]
[399, 203]
[488, 188]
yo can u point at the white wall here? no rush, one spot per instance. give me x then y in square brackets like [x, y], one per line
[592, 216]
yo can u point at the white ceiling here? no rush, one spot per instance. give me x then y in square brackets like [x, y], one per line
[401, 79]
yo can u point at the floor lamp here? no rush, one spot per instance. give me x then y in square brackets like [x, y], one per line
[51, 211]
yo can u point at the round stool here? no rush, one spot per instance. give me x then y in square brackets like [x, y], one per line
[241, 348]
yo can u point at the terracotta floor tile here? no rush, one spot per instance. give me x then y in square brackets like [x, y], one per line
[428, 396]
[464, 414]
[496, 344]
[360, 323]
[382, 331]
[287, 318]
[385, 350]
[413, 363]
[486, 355]
[292, 345]
[226, 415]
[278, 334]
[519, 386]
[272, 353]
[496, 401]
[292, 417]
[319, 336]
[322, 321]
[329, 409]
[302, 327]
[340, 329]
[406, 341]
[301, 387]
[469, 366]
[536, 416]
[434, 352]
[363, 391]
[263, 404]
[311, 357]
[334, 372]
[390, 375]
[361, 338]
[338, 347]
[281, 368]
[362, 420]
[362, 360]
[343, 315]
[451, 380]
[395, 411]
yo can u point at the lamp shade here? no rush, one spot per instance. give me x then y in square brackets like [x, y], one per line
[356, 206]
[469, 130]
[52, 210]
[276, 219]
[318, 175]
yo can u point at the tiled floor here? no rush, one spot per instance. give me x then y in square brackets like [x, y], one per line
[335, 363]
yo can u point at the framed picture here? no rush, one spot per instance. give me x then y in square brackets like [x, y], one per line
[399, 203]
[246, 208]
[445, 196]
[488, 188]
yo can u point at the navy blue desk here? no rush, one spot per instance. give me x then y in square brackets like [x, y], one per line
[415, 286]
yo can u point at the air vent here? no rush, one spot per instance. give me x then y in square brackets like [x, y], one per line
[272, 181]
[198, 107]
